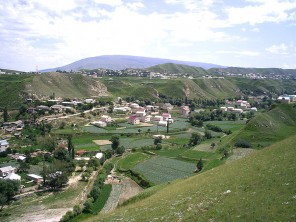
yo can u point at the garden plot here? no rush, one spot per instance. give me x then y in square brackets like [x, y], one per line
[102, 142]
[161, 169]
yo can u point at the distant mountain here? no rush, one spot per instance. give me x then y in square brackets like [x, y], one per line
[178, 69]
[120, 62]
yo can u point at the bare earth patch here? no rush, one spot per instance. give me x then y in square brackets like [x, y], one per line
[130, 189]
[146, 124]
[102, 142]
[240, 153]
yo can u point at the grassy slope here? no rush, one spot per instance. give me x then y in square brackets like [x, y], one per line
[268, 127]
[178, 69]
[11, 88]
[260, 187]
[65, 85]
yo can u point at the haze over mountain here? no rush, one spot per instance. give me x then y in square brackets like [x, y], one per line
[119, 62]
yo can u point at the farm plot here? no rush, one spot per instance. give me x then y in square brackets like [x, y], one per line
[161, 169]
[131, 160]
[130, 143]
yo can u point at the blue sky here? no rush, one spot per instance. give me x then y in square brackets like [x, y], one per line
[52, 33]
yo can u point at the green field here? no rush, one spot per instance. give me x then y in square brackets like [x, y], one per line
[131, 160]
[161, 169]
[260, 187]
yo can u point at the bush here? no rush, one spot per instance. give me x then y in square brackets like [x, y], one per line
[242, 143]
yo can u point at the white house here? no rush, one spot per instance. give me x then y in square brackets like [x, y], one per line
[134, 106]
[145, 119]
[13, 176]
[35, 178]
[157, 118]
[223, 108]
[106, 118]
[185, 111]
[162, 123]
[141, 113]
[99, 155]
[4, 145]
[237, 111]
[133, 120]
[254, 109]
[89, 101]
[167, 106]
[5, 171]
[99, 123]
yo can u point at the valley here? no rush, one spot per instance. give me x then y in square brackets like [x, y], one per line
[136, 148]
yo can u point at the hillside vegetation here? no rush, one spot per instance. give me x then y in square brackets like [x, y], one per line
[260, 187]
[178, 69]
[12, 88]
[66, 86]
[268, 127]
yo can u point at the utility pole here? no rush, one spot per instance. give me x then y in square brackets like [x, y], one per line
[168, 123]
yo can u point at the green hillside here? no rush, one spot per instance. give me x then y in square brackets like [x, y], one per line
[268, 127]
[11, 89]
[178, 69]
[66, 86]
[259, 187]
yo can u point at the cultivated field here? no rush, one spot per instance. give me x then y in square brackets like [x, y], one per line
[161, 169]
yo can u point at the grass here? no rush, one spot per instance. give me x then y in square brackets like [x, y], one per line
[101, 201]
[260, 187]
[266, 128]
[131, 160]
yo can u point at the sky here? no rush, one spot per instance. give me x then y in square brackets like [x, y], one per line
[51, 33]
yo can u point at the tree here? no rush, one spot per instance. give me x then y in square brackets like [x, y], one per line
[94, 162]
[208, 134]
[8, 188]
[47, 142]
[120, 150]
[115, 142]
[88, 205]
[157, 140]
[61, 154]
[158, 146]
[199, 165]
[5, 115]
[24, 167]
[195, 139]
[71, 148]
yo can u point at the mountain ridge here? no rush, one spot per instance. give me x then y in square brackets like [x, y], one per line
[120, 62]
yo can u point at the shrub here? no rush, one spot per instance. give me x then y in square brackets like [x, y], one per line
[242, 143]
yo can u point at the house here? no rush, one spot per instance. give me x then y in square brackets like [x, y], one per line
[57, 108]
[185, 111]
[13, 176]
[223, 108]
[5, 171]
[121, 109]
[99, 155]
[230, 108]
[88, 101]
[149, 107]
[254, 109]
[45, 108]
[162, 123]
[4, 145]
[99, 123]
[36, 178]
[237, 111]
[145, 119]
[157, 118]
[167, 106]
[133, 120]
[166, 116]
[134, 106]
[141, 113]
[106, 119]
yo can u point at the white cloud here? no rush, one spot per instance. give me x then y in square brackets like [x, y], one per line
[265, 11]
[239, 53]
[278, 49]
[192, 4]
[109, 2]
